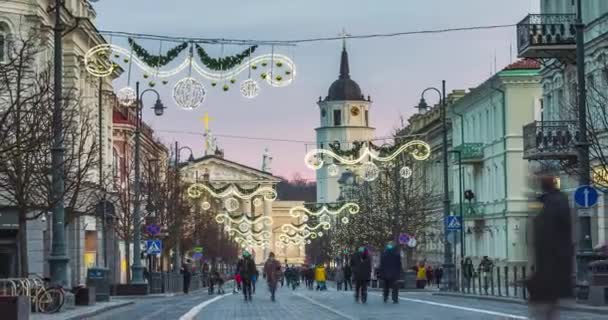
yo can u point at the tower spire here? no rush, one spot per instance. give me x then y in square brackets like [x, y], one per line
[344, 69]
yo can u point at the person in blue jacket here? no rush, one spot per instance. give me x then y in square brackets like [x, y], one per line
[390, 271]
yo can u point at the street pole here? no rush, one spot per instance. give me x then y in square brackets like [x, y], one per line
[177, 261]
[584, 244]
[137, 276]
[101, 182]
[448, 262]
[58, 259]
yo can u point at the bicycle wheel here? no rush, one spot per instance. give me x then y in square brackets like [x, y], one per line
[50, 300]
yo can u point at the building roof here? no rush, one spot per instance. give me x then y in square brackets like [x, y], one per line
[344, 88]
[523, 64]
[221, 159]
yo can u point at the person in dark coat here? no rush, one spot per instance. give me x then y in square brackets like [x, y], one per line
[553, 252]
[347, 277]
[187, 276]
[247, 271]
[361, 264]
[390, 272]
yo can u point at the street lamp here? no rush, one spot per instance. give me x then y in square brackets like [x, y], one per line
[448, 264]
[136, 267]
[176, 257]
[460, 194]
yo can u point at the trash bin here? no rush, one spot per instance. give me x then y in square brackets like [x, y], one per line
[100, 279]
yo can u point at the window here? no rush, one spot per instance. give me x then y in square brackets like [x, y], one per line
[115, 163]
[337, 117]
[3, 42]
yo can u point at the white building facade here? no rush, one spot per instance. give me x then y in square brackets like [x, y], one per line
[487, 134]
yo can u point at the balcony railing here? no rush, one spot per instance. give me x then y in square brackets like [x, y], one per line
[550, 140]
[469, 152]
[546, 36]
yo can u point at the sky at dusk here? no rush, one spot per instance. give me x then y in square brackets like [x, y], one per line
[393, 71]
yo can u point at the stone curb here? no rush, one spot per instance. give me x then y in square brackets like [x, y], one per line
[89, 314]
[580, 308]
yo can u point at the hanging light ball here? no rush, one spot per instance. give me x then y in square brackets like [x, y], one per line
[305, 218]
[250, 88]
[333, 170]
[126, 96]
[206, 205]
[320, 234]
[405, 172]
[370, 171]
[257, 202]
[308, 242]
[189, 93]
[244, 226]
[345, 220]
[231, 204]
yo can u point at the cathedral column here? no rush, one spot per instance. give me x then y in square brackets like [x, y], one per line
[268, 213]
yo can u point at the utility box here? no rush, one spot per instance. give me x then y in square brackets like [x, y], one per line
[99, 278]
[598, 286]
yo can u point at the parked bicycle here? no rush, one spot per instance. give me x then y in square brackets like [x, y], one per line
[45, 297]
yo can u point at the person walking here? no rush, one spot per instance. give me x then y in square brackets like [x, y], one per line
[430, 274]
[486, 266]
[347, 277]
[553, 253]
[439, 275]
[339, 277]
[187, 276]
[420, 276]
[390, 271]
[254, 279]
[272, 273]
[468, 272]
[361, 265]
[246, 267]
[310, 277]
[320, 277]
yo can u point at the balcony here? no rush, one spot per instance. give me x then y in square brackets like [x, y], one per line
[547, 36]
[470, 153]
[550, 140]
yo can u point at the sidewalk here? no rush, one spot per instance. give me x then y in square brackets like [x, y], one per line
[569, 304]
[83, 312]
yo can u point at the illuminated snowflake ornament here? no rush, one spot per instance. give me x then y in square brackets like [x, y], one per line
[345, 220]
[244, 226]
[370, 171]
[305, 218]
[126, 96]
[333, 170]
[308, 242]
[320, 234]
[231, 204]
[250, 89]
[405, 172]
[189, 93]
[206, 205]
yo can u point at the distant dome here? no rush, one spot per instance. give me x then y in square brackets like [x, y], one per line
[344, 88]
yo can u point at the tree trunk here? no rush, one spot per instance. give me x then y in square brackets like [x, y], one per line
[128, 259]
[23, 258]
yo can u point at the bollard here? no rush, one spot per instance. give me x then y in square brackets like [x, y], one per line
[507, 281]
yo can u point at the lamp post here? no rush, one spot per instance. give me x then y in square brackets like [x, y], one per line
[136, 267]
[448, 263]
[460, 204]
[584, 252]
[176, 256]
[58, 259]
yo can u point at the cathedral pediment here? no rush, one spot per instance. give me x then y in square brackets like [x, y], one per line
[220, 170]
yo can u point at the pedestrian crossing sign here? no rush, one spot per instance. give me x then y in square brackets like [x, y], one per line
[153, 246]
[453, 223]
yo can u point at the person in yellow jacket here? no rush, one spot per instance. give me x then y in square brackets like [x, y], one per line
[320, 277]
[420, 276]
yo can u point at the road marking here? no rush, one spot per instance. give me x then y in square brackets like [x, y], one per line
[451, 306]
[197, 309]
[330, 309]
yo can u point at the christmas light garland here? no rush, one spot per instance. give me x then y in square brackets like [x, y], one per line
[330, 209]
[159, 60]
[196, 190]
[224, 63]
[418, 149]
[223, 218]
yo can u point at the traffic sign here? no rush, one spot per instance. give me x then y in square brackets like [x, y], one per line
[153, 229]
[586, 196]
[197, 256]
[453, 223]
[404, 238]
[198, 249]
[154, 246]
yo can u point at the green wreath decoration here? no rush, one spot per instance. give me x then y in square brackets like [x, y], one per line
[153, 60]
[353, 152]
[225, 63]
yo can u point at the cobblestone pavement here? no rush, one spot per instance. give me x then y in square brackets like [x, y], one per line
[303, 304]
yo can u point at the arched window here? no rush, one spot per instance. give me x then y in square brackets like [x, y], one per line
[115, 163]
[4, 40]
